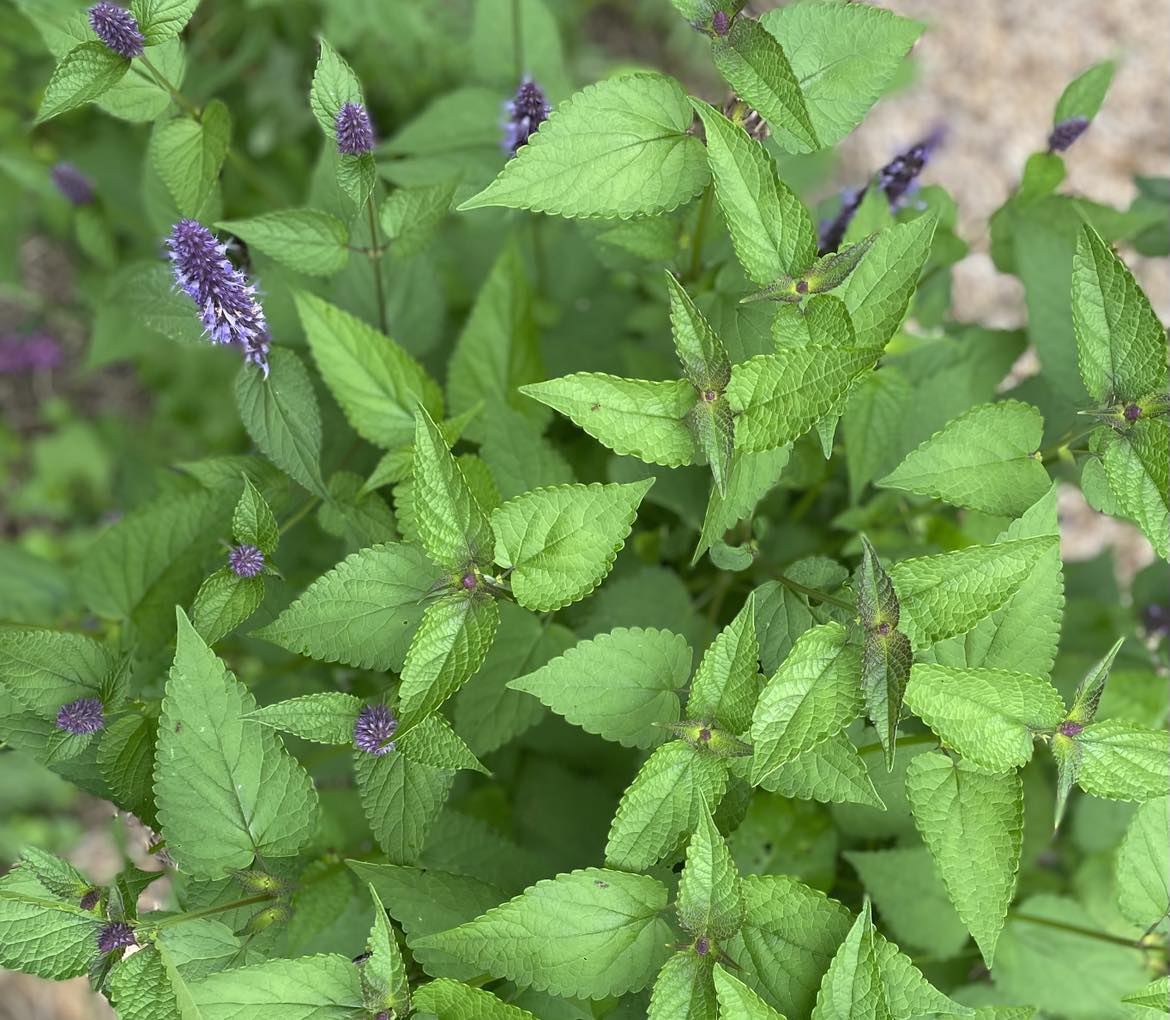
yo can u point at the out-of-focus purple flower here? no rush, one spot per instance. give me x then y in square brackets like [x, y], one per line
[374, 727]
[1065, 133]
[82, 716]
[246, 561]
[527, 110]
[1068, 728]
[832, 232]
[33, 353]
[226, 300]
[115, 935]
[116, 27]
[72, 183]
[90, 899]
[355, 133]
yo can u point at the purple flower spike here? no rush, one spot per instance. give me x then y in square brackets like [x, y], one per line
[527, 110]
[226, 300]
[72, 183]
[374, 727]
[1065, 133]
[355, 133]
[82, 716]
[115, 935]
[900, 174]
[1068, 728]
[720, 22]
[246, 561]
[116, 27]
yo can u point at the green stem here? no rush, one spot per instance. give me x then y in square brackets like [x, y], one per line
[700, 232]
[813, 593]
[221, 908]
[297, 517]
[1051, 451]
[517, 40]
[1076, 929]
[376, 264]
[175, 94]
[910, 741]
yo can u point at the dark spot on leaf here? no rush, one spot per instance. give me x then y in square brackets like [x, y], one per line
[594, 407]
[600, 884]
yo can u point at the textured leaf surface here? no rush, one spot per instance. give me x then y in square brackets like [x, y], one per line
[737, 1001]
[324, 718]
[334, 85]
[1122, 761]
[726, 684]
[84, 73]
[852, 988]
[188, 155]
[973, 824]
[383, 973]
[709, 898]
[45, 669]
[1139, 476]
[683, 989]
[831, 772]
[560, 542]
[308, 988]
[453, 1000]
[223, 602]
[306, 240]
[401, 799]
[1141, 865]
[40, 934]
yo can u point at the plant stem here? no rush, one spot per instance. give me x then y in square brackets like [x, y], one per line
[1076, 929]
[175, 94]
[376, 264]
[297, 517]
[813, 593]
[910, 741]
[191, 915]
[517, 40]
[700, 231]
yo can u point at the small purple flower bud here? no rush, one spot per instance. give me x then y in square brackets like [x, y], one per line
[1132, 412]
[527, 110]
[90, 899]
[82, 716]
[116, 27]
[1068, 728]
[72, 183]
[1065, 133]
[720, 23]
[115, 935]
[374, 727]
[34, 353]
[710, 396]
[704, 734]
[1156, 619]
[702, 945]
[468, 581]
[246, 561]
[355, 133]
[802, 286]
[226, 300]
[883, 628]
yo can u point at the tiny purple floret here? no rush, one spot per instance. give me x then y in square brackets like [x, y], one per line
[883, 628]
[355, 133]
[720, 23]
[1065, 133]
[72, 183]
[81, 717]
[1068, 728]
[246, 561]
[468, 581]
[374, 727]
[90, 899]
[527, 110]
[702, 945]
[116, 27]
[115, 935]
[1132, 412]
[704, 734]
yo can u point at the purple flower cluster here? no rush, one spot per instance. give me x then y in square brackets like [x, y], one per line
[72, 183]
[116, 27]
[355, 133]
[374, 727]
[80, 717]
[33, 353]
[115, 935]
[246, 561]
[1065, 133]
[527, 110]
[226, 300]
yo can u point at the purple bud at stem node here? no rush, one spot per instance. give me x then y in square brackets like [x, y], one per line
[720, 23]
[374, 727]
[355, 133]
[82, 716]
[527, 110]
[1065, 133]
[117, 28]
[115, 935]
[246, 561]
[1068, 728]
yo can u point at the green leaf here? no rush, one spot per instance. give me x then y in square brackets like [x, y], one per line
[45, 669]
[831, 772]
[1155, 995]
[432, 742]
[362, 613]
[872, 424]
[188, 155]
[709, 898]
[683, 989]
[617, 685]
[253, 522]
[306, 240]
[327, 717]
[452, 1000]
[750, 477]
[704, 359]
[451, 526]
[737, 1001]
[990, 716]
[140, 987]
[160, 20]
[84, 73]
[334, 85]
[280, 414]
[1085, 93]
[308, 988]
[852, 988]
[845, 57]
[401, 799]
[590, 933]
[41, 934]
[1138, 474]
[620, 147]
[377, 384]
[449, 646]
[984, 460]
[226, 788]
[60, 877]
[779, 397]
[1122, 761]
[713, 424]
[1141, 865]
[770, 228]
[410, 216]
[755, 65]
[949, 593]
[633, 417]
[559, 543]
[879, 290]
[519, 457]
[726, 684]
[223, 602]
[125, 760]
[1121, 345]
[664, 802]
[973, 824]
[1088, 694]
[383, 974]
[814, 695]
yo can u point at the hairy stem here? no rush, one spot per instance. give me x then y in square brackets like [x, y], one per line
[376, 265]
[813, 593]
[699, 234]
[221, 908]
[909, 741]
[164, 83]
[1076, 929]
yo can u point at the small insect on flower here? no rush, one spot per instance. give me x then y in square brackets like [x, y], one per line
[117, 28]
[85, 715]
[1065, 133]
[527, 110]
[246, 561]
[374, 727]
[115, 935]
[227, 302]
[355, 133]
[72, 183]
